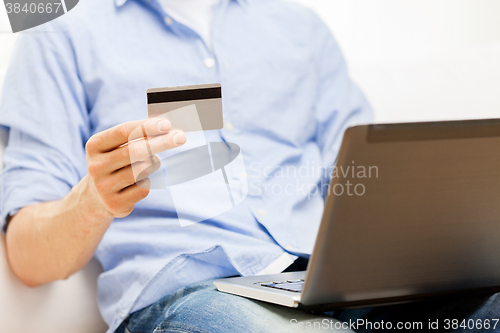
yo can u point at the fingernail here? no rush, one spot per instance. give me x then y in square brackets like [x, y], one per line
[164, 125]
[179, 138]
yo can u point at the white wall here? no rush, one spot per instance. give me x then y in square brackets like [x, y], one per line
[421, 59]
[415, 59]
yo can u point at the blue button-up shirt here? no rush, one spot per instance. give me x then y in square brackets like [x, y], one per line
[286, 93]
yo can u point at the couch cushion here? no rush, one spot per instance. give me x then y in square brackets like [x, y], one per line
[59, 307]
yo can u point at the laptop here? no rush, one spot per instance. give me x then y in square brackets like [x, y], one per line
[426, 225]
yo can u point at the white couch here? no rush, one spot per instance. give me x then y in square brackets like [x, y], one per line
[68, 306]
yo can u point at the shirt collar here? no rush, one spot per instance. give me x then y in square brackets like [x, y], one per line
[119, 3]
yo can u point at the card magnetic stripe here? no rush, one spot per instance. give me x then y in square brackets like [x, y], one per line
[184, 95]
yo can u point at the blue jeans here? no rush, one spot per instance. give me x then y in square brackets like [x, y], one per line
[200, 308]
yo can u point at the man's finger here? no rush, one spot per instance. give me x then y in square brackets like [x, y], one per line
[136, 172]
[135, 192]
[140, 150]
[114, 137]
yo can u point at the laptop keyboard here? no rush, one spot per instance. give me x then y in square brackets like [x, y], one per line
[288, 285]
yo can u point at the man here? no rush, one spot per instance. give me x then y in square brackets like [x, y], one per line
[76, 91]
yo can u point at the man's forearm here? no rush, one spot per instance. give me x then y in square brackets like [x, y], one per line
[51, 241]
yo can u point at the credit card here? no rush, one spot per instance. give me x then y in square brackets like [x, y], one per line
[205, 99]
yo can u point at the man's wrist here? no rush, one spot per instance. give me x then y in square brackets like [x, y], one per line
[88, 204]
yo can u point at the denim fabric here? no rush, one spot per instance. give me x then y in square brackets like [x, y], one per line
[200, 308]
[470, 312]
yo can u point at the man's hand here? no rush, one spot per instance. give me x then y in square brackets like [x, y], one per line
[52, 240]
[121, 158]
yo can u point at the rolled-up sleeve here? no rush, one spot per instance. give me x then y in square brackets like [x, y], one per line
[43, 109]
[340, 103]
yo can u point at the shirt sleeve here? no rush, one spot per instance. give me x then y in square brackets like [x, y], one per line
[44, 111]
[340, 103]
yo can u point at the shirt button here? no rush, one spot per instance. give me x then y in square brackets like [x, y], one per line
[209, 62]
[229, 125]
[262, 212]
[289, 247]
[168, 20]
